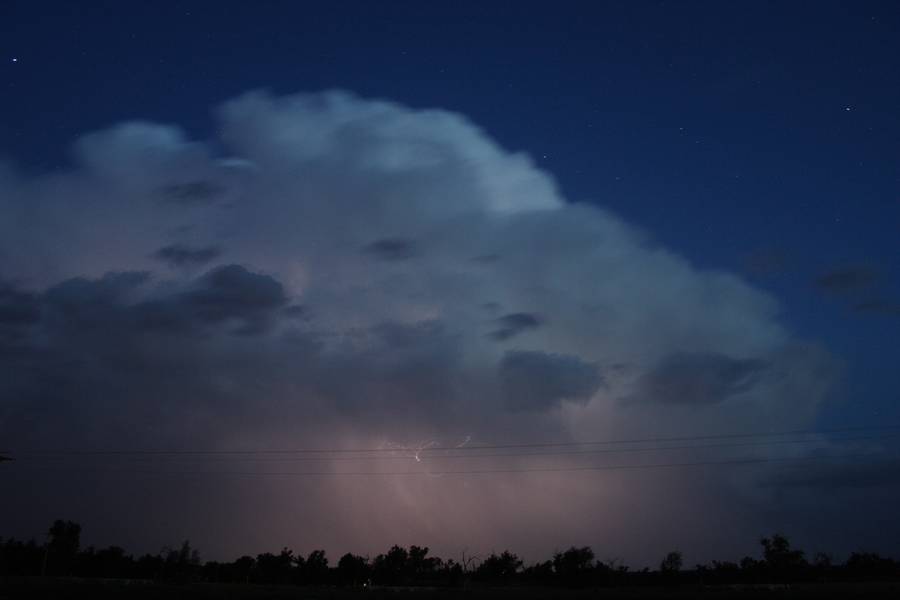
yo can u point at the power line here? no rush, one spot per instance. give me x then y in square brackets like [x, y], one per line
[733, 462]
[409, 454]
[467, 448]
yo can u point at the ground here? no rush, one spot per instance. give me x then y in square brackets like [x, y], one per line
[35, 587]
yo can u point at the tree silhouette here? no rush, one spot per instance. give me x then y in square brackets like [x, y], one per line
[108, 562]
[499, 568]
[865, 565]
[575, 567]
[182, 564]
[63, 541]
[240, 570]
[779, 556]
[275, 568]
[315, 568]
[671, 564]
[388, 569]
[353, 570]
[419, 565]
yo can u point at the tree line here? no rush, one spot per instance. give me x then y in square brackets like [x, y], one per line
[61, 555]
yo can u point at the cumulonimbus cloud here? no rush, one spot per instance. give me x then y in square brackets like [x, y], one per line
[367, 214]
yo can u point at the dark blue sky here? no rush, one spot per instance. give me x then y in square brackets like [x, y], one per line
[752, 136]
[756, 138]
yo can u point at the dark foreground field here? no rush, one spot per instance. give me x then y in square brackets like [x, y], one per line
[36, 587]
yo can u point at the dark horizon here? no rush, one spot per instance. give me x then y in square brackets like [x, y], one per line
[779, 562]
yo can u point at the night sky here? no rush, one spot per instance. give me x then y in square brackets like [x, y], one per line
[431, 229]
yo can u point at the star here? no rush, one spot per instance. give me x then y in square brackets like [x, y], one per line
[15, 59]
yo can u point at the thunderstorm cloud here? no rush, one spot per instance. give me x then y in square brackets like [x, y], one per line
[363, 218]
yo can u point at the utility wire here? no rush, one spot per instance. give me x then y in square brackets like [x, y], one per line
[735, 462]
[467, 448]
[409, 454]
